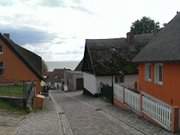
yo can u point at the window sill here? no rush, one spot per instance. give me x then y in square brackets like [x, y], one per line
[148, 80]
[159, 83]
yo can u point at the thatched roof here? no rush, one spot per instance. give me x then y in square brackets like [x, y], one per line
[110, 56]
[30, 59]
[165, 47]
[79, 66]
[56, 75]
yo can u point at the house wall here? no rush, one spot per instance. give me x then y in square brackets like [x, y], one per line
[70, 79]
[169, 91]
[90, 83]
[104, 80]
[129, 81]
[15, 69]
[77, 75]
[93, 83]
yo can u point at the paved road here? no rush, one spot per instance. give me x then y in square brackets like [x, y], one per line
[93, 116]
[44, 122]
[9, 122]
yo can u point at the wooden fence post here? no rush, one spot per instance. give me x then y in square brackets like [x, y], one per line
[175, 119]
[123, 94]
[141, 102]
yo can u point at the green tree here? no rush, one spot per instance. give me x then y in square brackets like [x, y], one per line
[145, 25]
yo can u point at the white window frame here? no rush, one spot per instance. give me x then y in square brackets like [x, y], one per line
[148, 75]
[156, 73]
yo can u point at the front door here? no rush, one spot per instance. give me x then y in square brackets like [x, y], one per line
[79, 84]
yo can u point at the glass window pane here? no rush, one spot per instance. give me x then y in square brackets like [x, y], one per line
[148, 72]
[160, 73]
[1, 67]
[1, 49]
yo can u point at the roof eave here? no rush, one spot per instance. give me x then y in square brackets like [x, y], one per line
[157, 61]
[10, 45]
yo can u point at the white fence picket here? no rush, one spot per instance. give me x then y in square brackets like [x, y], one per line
[118, 92]
[179, 120]
[156, 110]
[160, 112]
[132, 99]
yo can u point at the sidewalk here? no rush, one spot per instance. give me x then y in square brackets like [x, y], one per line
[45, 122]
[9, 122]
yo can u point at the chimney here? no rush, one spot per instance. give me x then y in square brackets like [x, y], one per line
[130, 37]
[7, 35]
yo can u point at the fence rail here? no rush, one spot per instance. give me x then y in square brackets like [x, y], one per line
[132, 99]
[21, 92]
[158, 111]
[107, 92]
[15, 89]
[118, 92]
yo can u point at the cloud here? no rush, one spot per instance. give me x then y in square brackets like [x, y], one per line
[27, 35]
[57, 29]
[83, 9]
[69, 52]
[52, 3]
[6, 2]
[54, 52]
[73, 4]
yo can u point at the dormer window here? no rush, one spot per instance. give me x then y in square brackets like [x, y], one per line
[1, 49]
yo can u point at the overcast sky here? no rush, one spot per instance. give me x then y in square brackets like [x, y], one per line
[57, 29]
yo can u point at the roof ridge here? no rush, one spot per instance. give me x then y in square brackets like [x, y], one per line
[18, 51]
[105, 38]
[164, 46]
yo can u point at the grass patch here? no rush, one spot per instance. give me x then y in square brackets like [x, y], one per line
[11, 90]
[10, 107]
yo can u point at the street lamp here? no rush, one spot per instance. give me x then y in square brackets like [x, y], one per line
[113, 50]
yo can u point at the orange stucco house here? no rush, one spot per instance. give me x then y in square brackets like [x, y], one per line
[159, 65]
[18, 64]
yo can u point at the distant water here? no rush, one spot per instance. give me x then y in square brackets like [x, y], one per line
[62, 64]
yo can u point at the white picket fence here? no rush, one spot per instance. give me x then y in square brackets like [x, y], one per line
[179, 120]
[124, 94]
[132, 99]
[158, 111]
[118, 92]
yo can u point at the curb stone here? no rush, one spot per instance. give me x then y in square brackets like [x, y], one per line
[64, 125]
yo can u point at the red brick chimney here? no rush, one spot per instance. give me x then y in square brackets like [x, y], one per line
[130, 37]
[7, 35]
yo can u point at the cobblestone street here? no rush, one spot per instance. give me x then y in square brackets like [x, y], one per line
[42, 122]
[9, 122]
[94, 116]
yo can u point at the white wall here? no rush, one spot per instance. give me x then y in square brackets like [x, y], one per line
[76, 76]
[90, 83]
[70, 79]
[129, 80]
[103, 79]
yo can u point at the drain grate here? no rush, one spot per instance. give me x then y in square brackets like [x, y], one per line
[61, 113]
[98, 109]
